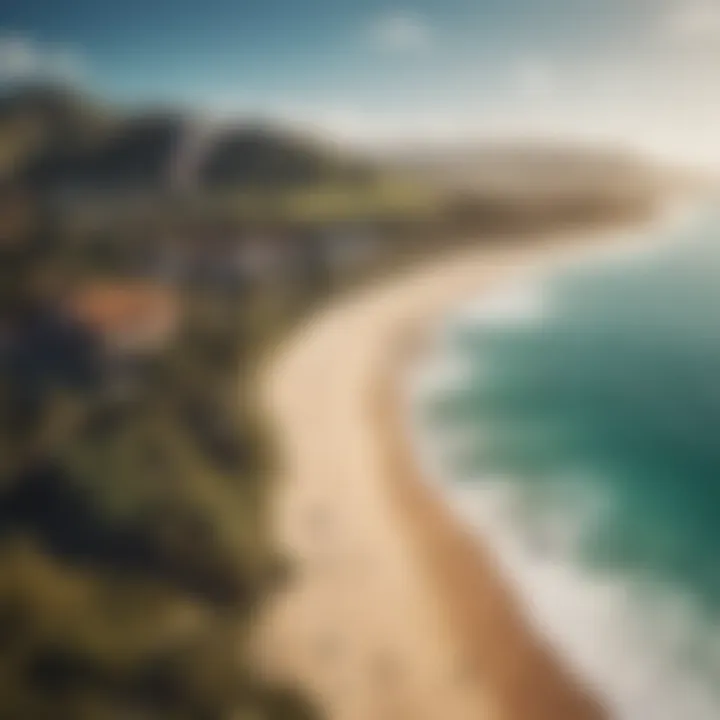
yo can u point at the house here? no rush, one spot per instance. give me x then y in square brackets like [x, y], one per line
[131, 318]
[211, 260]
[350, 246]
[97, 338]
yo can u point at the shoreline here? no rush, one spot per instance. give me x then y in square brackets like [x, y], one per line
[496, 642]
[396, 610]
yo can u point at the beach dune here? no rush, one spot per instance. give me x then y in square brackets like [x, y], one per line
[394, 610]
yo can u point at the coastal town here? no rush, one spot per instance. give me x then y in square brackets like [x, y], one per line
[152, 271]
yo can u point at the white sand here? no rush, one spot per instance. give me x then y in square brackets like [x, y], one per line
[395, 612]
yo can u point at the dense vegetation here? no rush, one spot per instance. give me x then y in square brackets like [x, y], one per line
[131, 551]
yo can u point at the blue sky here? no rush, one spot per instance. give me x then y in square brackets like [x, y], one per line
[635, 70]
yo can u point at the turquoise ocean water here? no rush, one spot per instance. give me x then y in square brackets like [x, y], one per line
[575, 422]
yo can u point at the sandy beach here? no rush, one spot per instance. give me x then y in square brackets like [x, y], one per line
[394, 610]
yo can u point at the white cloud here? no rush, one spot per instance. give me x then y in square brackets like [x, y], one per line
[23, 59]
[16, 57]
[535, 78]
[693, 22]
[401, 32]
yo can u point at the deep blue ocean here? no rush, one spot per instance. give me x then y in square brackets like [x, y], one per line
[575, 421]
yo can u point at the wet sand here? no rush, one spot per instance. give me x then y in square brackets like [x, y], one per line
[394, 610]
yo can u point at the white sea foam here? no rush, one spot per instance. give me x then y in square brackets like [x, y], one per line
[633, 642]
[432, 376]
[524, 303]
